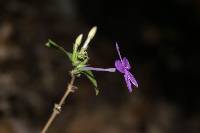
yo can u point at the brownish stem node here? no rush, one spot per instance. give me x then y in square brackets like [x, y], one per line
[57, 107]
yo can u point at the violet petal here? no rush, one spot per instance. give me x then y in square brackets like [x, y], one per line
[117, 48]
[126, 63]
[128, 83]
[119, 66]
[132, 79]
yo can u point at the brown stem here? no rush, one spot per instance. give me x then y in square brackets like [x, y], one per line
[57, 107]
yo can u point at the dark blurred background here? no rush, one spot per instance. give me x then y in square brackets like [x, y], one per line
[160, 39]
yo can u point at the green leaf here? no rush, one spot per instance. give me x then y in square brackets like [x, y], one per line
[92, 79]
[52, 44]
[82, 63]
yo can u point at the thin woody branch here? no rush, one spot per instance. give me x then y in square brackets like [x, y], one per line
[57, 107]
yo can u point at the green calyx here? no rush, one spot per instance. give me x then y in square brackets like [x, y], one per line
[79, 56]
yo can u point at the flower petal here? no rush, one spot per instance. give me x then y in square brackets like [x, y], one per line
[132, 79]
[128, 83]
[119, 66]
[126, 63]
[117, 48]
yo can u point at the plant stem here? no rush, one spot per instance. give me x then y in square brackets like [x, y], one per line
[57, 107]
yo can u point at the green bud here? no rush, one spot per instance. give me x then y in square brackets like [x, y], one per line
[75, 47]
[48, 44]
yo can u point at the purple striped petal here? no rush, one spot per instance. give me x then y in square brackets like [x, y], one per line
[119, 66]
[132, 79]
[128, 83]
[126, 63]
[117, 48]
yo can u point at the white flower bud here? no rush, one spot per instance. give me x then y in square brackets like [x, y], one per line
[91, 34]
[78, 40]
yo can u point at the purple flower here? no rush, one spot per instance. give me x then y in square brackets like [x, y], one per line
[123, 66]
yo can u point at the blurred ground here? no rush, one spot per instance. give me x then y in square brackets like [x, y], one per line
[160, 39]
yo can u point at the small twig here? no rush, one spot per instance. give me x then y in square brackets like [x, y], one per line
[57, 107]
